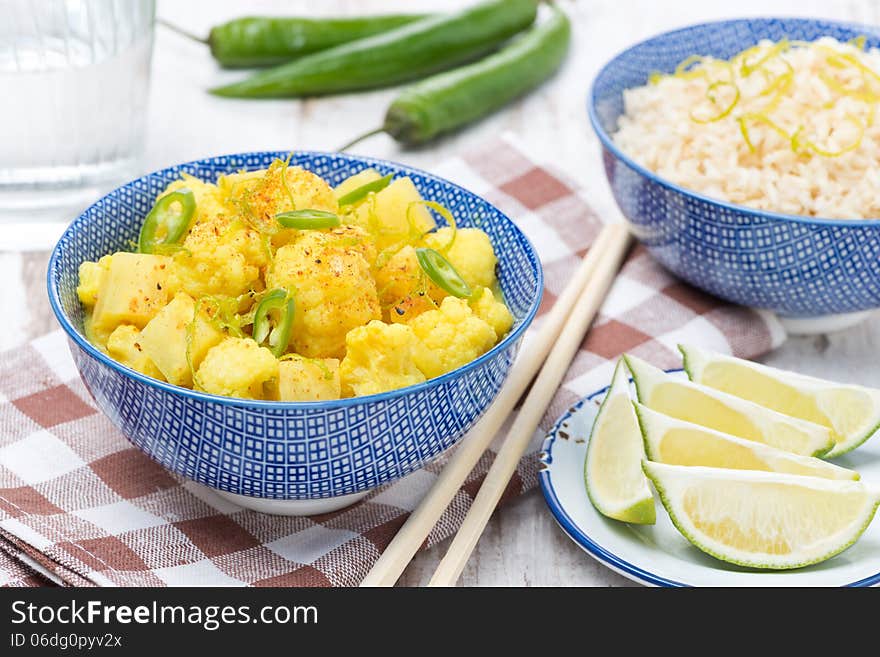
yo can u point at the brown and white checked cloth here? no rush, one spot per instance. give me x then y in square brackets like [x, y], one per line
[82, 506]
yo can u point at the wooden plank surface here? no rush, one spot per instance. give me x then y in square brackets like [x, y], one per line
[522, 545]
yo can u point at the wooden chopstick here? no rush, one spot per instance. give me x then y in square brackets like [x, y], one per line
[412, 534]
[533, 409]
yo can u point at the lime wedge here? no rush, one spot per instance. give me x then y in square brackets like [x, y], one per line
[676, 442]
[763, 519]
[851, 412]
[616, 485]
[717, 410]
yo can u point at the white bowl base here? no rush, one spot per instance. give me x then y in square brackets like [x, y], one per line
[822, 323]
[292, 507]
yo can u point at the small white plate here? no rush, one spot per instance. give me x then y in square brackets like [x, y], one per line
[657, 554]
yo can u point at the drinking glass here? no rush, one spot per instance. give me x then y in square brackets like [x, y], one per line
[74, 77]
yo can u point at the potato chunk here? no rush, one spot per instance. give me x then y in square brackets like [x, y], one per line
[353, 182]
[390, 216]
[379, 358]
[332, 285]
[165, 337]
[124, 345]
[491, 310]
[91, 277]
[450, 337]
[308, 379]
[471, 254]
[133, 290]
[237, 367]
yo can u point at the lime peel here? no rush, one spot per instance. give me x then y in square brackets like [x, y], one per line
[615, 483]
[762, 519]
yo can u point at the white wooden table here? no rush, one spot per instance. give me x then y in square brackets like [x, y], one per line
[522, 545]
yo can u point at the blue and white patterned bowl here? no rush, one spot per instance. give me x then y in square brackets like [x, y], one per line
[299, 458]
[797, 266]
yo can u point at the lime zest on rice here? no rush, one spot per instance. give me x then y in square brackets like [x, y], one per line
[789, 126]
[725, 96]
[713, 99]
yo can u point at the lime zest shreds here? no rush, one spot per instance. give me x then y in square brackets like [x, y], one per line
[779, 84]
[762, 119]
[799, 145]
[684, 70]
[416, 234]
[188, 340]
[837, 86]
[858, 42]
[374, 223]
[744, 131]
[746, 69]
[845, 75]
[171, 250]
[284, 165]
[225, 313]
[844, 60]
[266, 243]
[710, 95]
[387, 253]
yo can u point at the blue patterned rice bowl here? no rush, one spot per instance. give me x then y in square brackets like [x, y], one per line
[799, 267]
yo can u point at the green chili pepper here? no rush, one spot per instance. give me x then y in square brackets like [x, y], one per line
[278, 336]
[447, 101]
[358, 193]
[163, 226]
[406, 53]
[266, 41]
[441, 271]
[308, 219]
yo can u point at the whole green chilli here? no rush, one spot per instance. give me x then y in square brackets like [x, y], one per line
[254, 41]
[447, 101]
[410, 52]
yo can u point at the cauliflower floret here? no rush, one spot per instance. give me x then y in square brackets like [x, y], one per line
[333, 287]
[220, 256]
[491, 310]
[91, 275]
[471, 254]
[308, 379]
[258, 196]
[404, 290]
[450, 337]
[379, 358]
[394, 216]
[124, 345]
[237, 367]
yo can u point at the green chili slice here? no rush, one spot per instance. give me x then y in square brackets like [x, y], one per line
[308, 219]
[274, 328]
[442, 273]
[361, 192]
[164, 225]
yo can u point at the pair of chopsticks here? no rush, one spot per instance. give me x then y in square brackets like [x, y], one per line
[554, 347]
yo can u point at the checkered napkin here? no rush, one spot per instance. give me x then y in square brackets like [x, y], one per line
[79, 505]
